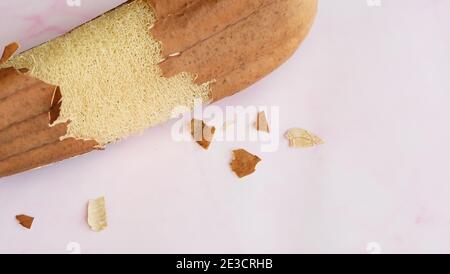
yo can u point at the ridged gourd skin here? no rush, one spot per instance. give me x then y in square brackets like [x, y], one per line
[129, 68]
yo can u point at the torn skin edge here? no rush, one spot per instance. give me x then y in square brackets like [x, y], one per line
[244, 163]
[43, 151]
[55, 106]
[98, 146]
[23, 70]
[8, 52]
[55, 111]
[56, 101]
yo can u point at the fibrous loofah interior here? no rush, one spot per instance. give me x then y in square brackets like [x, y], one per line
[109, 77]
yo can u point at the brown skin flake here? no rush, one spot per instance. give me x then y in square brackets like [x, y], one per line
[55, 106]
[244, 163]
[25, 221]
[202, 133]
[8, 52]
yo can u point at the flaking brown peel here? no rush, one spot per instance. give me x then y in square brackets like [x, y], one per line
[244, 163]
[55, 106]
[28, 108]
[202, 133]
[24, 70]
[8, 52]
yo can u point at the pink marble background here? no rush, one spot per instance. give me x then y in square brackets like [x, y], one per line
[373, 81]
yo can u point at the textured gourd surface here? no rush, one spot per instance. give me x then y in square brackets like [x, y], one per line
[109, 76]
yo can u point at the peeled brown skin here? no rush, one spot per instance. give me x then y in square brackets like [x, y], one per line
[27, 141]
[228, 43]
[234, 42]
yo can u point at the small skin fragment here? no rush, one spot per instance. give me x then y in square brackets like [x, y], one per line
[25, 221]
[55, 106]
[24, 70]
[202, 133]
[244, 163]
[8, 52]
[261, 123]
[300, 138]
[97, 218]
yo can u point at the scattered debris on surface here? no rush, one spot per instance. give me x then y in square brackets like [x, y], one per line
[261, 123]
[97, 219]
[25, 221]
[202, 133]
[244, 163]
[300, 138]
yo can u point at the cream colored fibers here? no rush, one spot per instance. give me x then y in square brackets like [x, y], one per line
[109, 78]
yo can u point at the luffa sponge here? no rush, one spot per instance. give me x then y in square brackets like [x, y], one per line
[129, 68]
[109, 77]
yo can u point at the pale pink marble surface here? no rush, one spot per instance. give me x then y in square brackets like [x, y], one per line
[372, 81]
[32, 22]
